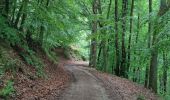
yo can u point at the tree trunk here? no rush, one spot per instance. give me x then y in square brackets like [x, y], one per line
[164, 7]
[149, 42]
[93, 49]
[165, 69]
[153, 70]
[123, 69]
[130, 36]
[103, 44]
[117, 54]
[104, 40]
[135, 70]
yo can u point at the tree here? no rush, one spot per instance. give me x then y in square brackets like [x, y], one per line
[149, 42]
[165, 71]
[93, 48]
[104, 41]
[130, 36]
[117, 54]
[164, 7]
[123, 68]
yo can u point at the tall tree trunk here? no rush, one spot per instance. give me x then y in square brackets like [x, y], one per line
[93, 48]
[153, 70]
[103, 44]
[104, 40]
[117, 54]
[164, 7]
[135, 70]
[123, 69]
[165, 69]
[149, 42]
[130, 36]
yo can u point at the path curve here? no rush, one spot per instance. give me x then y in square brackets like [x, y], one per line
[85, 86]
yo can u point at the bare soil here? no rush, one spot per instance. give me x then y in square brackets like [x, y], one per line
[84, 86]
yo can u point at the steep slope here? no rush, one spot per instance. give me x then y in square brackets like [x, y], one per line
[22, 81]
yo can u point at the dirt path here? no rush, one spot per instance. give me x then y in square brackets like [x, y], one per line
[85, 86]
[90, 84]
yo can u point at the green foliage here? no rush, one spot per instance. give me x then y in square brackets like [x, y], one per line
[34, 60]
[166, 97]
[73, 53]
[140, 97]
[8, 33]
[7, 90]
[60, 27]
[68, 23]
[52, 56]
[6, 63]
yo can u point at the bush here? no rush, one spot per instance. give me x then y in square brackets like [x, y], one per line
[140, 97]
[7, 90]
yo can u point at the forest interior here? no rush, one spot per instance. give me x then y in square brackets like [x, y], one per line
[85, 49]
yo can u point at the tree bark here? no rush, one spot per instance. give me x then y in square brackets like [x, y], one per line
[103, 44]
[136, 69]
[149, 42]
[117, 54]
[130, 36]
[123, 69]
[93, 49]
[164, 7]
[165, 73]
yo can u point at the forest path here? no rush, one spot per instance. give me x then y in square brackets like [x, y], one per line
[84, 86]
[90, 84]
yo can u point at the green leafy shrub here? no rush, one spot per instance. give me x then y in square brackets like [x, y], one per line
[51, 55]
[6, 62]
[140, 97]
[32, 59]
[7, 90]
[8, 33]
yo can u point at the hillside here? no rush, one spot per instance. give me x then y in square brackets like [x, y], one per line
[85, 49]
